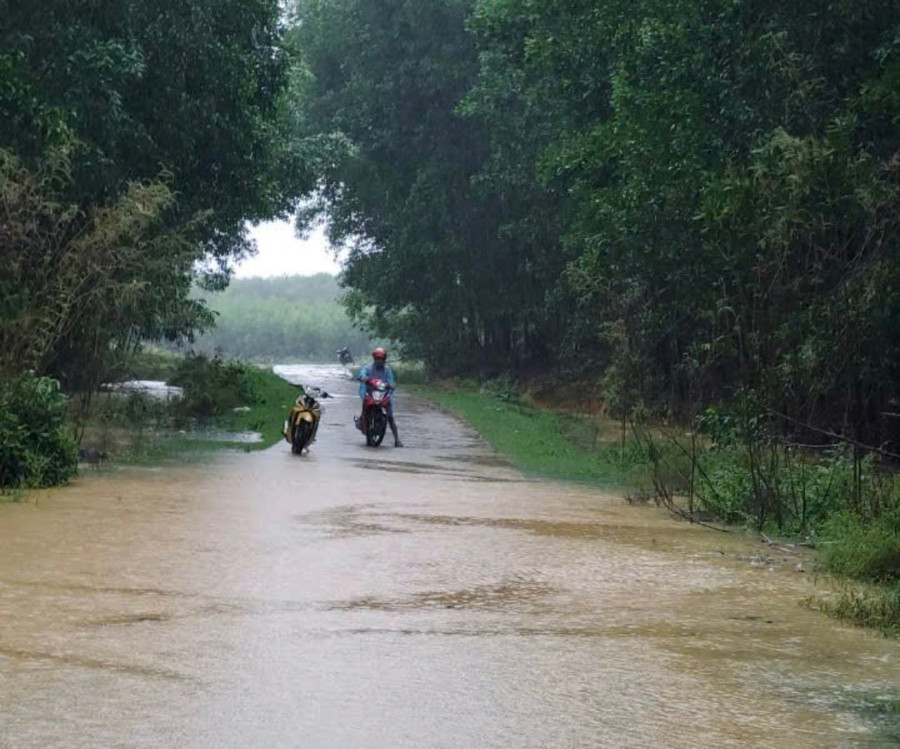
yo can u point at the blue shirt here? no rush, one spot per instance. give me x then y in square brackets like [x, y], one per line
[383, 372]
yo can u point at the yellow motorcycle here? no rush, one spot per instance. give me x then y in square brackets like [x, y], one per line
[303, 420]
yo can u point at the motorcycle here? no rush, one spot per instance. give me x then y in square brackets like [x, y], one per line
[376, 407]
[303, 420]
[345, 357]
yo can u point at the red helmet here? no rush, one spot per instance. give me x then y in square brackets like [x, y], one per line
[379, 353]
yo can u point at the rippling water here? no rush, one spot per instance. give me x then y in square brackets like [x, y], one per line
[423, 597]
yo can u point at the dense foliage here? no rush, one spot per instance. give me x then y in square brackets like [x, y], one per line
[433, 261]
[211, 387]
[36, 448]
[79, 295]
[292, 318]
[135, 141]
[188, 91]
[679, 199]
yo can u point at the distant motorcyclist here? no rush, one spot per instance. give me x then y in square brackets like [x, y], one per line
[378, 370]
[344, 356]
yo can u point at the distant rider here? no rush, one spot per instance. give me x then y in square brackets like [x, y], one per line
[378, 370]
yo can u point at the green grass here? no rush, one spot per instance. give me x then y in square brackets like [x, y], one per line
[410, 373]
[151, 363]
[275, 397]
[542, 443]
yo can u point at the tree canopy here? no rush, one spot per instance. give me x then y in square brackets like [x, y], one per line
[137, 139]
[429, 237]
[673, 201]
[188, 92]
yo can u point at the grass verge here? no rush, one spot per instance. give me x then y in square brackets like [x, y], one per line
[561, 446]
[274, 397]
[543, 443]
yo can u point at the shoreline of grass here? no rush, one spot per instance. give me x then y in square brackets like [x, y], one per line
[558, 446]
[542, 443]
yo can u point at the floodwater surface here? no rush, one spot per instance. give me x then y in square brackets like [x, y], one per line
[429, 596]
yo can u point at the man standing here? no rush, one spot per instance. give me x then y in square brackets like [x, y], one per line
[378, 370]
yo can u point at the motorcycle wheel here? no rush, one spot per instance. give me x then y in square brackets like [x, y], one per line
[377, 427]
[302, 433]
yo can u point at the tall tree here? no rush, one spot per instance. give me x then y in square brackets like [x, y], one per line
[188, 90]
[696, 192]
[182, 101]
[656, 110]
[432, 262]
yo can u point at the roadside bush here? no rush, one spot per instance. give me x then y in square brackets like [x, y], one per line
[775, 486]
[753, 475]
[36, 448]
[213, 386]
[863, 549]
[727, 491]
[503, 388]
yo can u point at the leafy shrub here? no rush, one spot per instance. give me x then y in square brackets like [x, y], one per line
[776, 485]
[36, 448]
[729, 489]
[753, 475]
[503, 388]
[213, 386]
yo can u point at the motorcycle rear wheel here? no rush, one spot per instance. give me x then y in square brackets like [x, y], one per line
[302, 433]
[376, 430]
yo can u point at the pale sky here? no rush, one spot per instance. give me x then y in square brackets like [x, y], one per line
[282, 254]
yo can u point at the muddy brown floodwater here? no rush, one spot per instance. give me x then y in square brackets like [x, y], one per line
[423, 597]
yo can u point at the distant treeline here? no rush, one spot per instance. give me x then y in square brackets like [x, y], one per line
[281, 319]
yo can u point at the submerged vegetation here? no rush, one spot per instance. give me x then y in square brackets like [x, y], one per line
[223, 404]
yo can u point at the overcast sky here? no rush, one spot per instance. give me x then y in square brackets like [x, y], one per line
[282, 254]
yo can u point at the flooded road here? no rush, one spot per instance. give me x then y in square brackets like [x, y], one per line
[428, 596]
